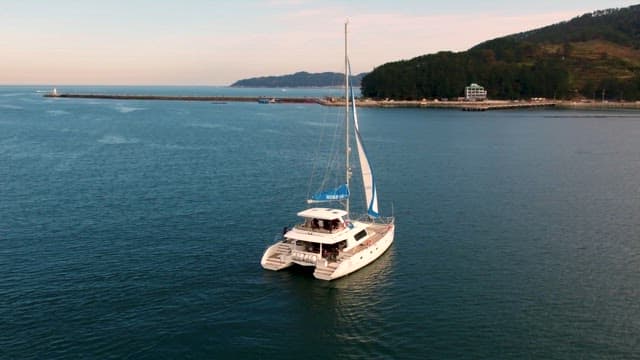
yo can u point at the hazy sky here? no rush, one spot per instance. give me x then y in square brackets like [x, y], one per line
[198, 42]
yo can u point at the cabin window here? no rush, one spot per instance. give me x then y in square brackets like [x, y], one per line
[360, 235]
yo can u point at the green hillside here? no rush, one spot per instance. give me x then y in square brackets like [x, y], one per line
[299, 79]
[569, 60]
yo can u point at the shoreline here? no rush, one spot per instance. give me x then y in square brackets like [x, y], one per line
[426, 104]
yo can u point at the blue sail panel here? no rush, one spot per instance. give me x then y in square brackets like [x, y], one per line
[339, 193]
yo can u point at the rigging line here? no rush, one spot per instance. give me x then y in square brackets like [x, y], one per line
[328, 159]
[332, 158]
[316, 155]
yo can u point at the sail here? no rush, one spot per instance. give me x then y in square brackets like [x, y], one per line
[339, 193]
[371, 195]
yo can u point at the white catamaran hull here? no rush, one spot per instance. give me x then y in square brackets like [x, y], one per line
[359, 259]
[284, 254]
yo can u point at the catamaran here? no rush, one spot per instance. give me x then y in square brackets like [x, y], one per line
[330, 239]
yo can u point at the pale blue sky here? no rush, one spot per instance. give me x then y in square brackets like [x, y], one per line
[197, 42]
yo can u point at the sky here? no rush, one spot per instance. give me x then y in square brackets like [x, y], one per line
[198, 42]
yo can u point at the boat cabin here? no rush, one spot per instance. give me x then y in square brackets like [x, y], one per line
[323, 234]
[323, 220]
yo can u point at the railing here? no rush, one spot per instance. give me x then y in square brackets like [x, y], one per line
[304, 227]
[386, 220]
[305, 257]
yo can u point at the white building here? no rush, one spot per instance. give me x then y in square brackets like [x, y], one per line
[475, 92]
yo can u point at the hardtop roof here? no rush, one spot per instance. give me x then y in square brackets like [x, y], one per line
[323, 213]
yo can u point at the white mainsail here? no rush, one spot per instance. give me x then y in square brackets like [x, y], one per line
[368, 181]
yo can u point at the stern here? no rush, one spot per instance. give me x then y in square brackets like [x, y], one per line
[277, 256]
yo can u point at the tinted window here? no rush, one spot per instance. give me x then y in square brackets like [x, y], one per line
[360, 235]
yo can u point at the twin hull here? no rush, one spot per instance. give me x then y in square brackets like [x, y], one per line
[285, 253]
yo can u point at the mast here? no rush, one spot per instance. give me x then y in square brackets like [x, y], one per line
[346, 111]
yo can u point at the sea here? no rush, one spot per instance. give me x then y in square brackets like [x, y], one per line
[134, 230]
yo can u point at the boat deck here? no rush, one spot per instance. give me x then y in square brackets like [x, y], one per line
[379, 231]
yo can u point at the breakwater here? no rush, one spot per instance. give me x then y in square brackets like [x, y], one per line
[332, 101]
[328, 101]
[183, 98]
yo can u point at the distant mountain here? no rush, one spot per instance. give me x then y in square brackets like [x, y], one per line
[299, 79]
[595, 55]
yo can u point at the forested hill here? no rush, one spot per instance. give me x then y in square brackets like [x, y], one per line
[570, 60]
[299, 79]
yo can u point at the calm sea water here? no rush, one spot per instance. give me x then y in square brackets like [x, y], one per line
[134, 229]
